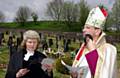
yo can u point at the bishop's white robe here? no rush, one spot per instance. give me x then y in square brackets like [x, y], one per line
[100, 62]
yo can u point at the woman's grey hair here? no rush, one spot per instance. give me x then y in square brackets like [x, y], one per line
[30, 34]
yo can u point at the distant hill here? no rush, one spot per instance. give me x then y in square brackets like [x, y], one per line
[45, 25]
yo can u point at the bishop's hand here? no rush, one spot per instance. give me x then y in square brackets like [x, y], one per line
[90, 44]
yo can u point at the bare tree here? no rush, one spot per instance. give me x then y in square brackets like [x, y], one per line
[34, 17]
[22, 15]
[2, 16]
[54, 9]
[84, 11]
[75, 13]
[70, 13]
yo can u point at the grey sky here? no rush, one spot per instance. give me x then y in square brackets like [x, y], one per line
[9, 7]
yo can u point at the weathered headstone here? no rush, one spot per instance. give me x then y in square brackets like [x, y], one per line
[50, 42]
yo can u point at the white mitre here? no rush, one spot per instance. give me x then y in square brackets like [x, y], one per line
[97, 17]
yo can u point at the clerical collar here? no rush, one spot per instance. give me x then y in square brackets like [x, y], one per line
[28, 54]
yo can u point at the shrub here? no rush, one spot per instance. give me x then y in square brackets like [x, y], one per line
[59, 67]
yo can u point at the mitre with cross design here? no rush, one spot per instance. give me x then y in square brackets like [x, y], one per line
[97, 17]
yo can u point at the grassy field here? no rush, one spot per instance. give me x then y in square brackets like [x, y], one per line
[49, 26]
[44, 25]
[2, 73]
[4, 57]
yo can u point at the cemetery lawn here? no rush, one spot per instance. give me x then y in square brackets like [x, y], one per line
[41, 25]
[4, 57]
[2, 73]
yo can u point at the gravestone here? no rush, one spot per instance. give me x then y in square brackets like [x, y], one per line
[50, 42]
[66, 45]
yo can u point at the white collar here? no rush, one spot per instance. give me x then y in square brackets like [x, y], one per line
[28, 54]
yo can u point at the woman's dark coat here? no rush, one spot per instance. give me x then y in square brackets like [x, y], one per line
[16, 63]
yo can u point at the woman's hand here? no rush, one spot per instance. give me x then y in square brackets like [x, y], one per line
[22, 72]
[49, 67]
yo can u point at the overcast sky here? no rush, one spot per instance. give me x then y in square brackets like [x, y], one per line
[9, 7]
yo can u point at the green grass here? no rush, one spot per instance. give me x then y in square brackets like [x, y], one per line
[44, 25]
[118, 54]
[2, 73]
[4, 55]
[8, 25]
[4, 59]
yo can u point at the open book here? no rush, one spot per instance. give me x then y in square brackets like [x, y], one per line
[82, 69]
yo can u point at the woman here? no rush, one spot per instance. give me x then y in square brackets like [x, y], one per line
[26, 63]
